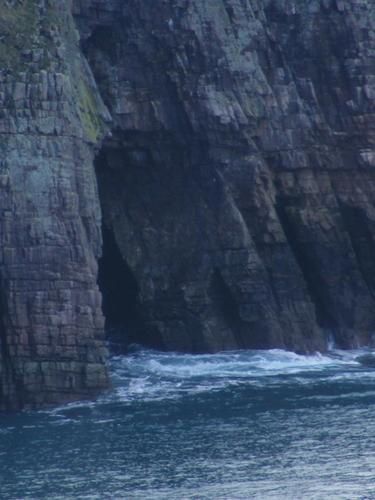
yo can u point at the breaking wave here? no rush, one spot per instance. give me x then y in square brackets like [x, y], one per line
[147, 374]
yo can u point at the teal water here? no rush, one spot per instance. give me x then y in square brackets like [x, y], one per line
[252, 424]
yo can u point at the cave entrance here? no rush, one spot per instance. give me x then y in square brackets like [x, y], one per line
[120, 293]
[127, 319]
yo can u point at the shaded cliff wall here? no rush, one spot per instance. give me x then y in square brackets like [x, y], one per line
[238, 181]
[51, 324]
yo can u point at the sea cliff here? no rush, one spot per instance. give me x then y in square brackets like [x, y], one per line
[209, 163]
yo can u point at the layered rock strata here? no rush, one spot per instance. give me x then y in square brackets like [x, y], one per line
[233, 146]
[238, 181]
[51, 117]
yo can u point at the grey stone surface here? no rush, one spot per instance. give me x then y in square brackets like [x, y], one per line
[51, 117]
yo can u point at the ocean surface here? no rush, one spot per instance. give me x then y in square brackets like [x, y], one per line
[237, 425]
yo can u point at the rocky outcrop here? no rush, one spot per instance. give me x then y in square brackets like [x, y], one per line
[233, 145]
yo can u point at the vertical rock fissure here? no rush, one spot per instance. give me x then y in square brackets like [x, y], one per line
[126, 321]
[5, 359]
[357, 226]
[226, 306]
[310, 271]
[120, 293]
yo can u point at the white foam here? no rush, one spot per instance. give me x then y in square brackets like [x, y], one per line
[233, 363]
[154, 375]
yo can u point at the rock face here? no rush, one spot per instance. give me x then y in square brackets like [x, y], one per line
[238, 182]
[233, 145]
[51, 324]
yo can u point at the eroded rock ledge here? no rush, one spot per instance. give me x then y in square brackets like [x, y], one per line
[233, 145]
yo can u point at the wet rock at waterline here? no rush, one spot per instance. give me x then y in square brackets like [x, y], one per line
[230, 148]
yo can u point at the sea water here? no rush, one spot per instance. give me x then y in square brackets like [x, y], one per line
[236, 425]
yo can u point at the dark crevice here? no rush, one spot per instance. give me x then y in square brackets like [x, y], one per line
[306, 259]
[103, 38]
[222, 296]
[119, 288]
[6, 372]
[125, 321]
[230, 12]
[225, 305]
[3, 343]
[357, 226]
[227, 310]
